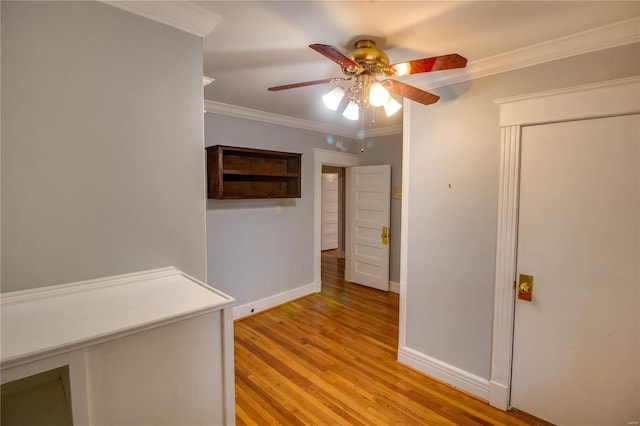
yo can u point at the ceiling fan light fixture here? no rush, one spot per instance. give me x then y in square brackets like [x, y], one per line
[362, 68]
[402, 69]
[352, 112]
[332, 99]
[378, 95]
[391, 106]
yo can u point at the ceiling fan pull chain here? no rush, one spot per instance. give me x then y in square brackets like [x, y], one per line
[362, 133]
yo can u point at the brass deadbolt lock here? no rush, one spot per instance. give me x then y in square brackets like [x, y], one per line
[525, 287]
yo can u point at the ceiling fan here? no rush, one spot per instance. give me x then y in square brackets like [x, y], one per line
[370, 78]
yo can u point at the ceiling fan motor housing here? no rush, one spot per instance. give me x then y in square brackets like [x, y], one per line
[368, 56]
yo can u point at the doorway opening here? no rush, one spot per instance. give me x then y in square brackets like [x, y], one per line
[329, 160]
[333, 221]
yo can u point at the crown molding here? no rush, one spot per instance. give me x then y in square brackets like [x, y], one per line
[182, 15]
[630, 82]
[284, 120]
[383, 131]
[605, 37]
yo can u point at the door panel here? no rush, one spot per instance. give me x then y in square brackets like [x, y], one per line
[329, 211]
[367, 260]
[576, 356]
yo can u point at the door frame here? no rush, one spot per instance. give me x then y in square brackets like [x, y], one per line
[605, 99]
[329, 158]
[323, 213]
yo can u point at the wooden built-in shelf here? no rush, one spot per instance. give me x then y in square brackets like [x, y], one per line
[246, 173]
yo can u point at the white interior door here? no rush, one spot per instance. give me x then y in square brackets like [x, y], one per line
[329, 211]
[576, 356]
[367, 256]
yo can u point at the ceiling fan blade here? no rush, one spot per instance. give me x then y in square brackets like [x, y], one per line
[437, 63]
[407, 91]
[336, 56]
[302, 84]
[344, 102]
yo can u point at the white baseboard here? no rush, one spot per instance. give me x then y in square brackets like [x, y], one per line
[449, 374]
[251, 308]
[394, 287]
[499, 395]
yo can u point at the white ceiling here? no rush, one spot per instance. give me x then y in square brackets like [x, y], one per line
[258, 44]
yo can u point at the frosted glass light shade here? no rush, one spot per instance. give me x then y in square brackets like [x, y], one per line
[352, 112]
[378, 95]
[391, 106]
[332, 99]
[402, 69]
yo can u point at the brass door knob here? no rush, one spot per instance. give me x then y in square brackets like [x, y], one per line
[385, 235]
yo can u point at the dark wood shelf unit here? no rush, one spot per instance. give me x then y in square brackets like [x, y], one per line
[248, 173]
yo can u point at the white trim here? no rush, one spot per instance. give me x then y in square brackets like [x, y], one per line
[499, 395]
[24, 313]
[394, 287]
[36, 293]
[614, 97]
[329, 158]
[297, 123]
[228, 366]
[348, 207]
[617, 97]
[380, 131]
[404, 226]
[78, 386]
[505, 265]
[605, 37]
[334, 158]
[448, 373]
[627, 81]
[272, 301]
[183, 15]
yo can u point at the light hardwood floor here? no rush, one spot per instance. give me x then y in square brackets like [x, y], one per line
[330, 359]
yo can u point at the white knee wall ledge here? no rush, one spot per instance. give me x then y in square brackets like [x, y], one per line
[131, 342]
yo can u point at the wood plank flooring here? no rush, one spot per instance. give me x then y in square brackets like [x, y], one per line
[330, 359]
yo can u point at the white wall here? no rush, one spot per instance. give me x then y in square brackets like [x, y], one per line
[388, 150]
[102, 145]
[252, 252]
[452, 204]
